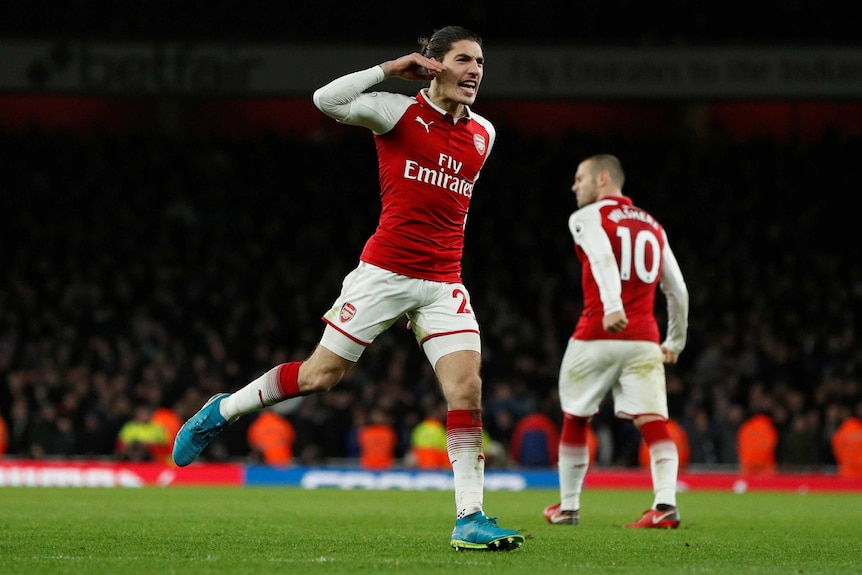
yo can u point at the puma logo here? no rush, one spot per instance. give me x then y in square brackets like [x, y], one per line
[424, 125]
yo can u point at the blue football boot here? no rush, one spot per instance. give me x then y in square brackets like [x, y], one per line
[199, 430]
[479, 532]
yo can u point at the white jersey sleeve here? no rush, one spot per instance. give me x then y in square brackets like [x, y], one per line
[588, 232]
[345, 100]
[676, 292]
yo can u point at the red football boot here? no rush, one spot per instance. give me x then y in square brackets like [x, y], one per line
[665, 518]
[557, 517]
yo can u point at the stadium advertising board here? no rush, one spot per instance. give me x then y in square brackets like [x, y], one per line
[103, 474]
[250, 70]
[30, 473]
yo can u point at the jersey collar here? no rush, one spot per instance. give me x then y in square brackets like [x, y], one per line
[423, 99]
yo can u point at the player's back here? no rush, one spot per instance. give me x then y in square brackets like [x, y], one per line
[637, 241]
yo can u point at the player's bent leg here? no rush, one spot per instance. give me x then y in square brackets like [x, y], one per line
[199, 430]
[478, 532]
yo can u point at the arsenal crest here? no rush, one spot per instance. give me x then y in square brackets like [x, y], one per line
[348, 310]
[479, 142]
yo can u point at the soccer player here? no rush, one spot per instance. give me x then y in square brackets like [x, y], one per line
[624, 255]
[431, 148]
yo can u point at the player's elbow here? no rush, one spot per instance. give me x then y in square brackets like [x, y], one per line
[328, 105]
[320, 101]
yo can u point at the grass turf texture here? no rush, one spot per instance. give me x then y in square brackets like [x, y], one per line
[287, 530]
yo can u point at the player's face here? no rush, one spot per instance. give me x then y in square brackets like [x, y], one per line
[458, 85]
[586, 185]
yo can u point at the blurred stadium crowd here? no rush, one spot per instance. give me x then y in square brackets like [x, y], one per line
[142, 269]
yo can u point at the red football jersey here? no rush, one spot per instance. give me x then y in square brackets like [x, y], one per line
[428, 163]
[636, 241]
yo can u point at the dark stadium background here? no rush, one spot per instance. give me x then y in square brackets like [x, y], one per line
[158, 250]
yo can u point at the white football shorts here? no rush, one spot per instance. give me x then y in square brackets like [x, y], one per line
[633, 371]
[372, 299]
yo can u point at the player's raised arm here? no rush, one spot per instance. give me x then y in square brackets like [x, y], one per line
[413, 66]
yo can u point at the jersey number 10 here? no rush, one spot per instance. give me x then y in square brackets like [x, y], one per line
[633, 254]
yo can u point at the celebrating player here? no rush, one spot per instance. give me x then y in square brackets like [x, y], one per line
[431, 149]
[624, 255]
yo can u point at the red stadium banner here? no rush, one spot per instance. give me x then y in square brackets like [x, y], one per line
[29, 473]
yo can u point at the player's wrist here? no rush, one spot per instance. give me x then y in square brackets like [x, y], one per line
[388, 69]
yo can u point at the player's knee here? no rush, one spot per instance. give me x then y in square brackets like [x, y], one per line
[470, 386]
[473, 386]
[465, 393]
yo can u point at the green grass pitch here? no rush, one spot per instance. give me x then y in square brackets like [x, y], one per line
[289, 530]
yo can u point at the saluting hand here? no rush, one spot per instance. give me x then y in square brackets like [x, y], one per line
[413, 66]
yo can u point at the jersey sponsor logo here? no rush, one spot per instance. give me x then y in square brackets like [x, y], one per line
[424, 125]
[479, 142]
[348, 310]
[438, 177]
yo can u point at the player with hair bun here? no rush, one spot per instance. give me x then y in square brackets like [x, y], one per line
[431, 148]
